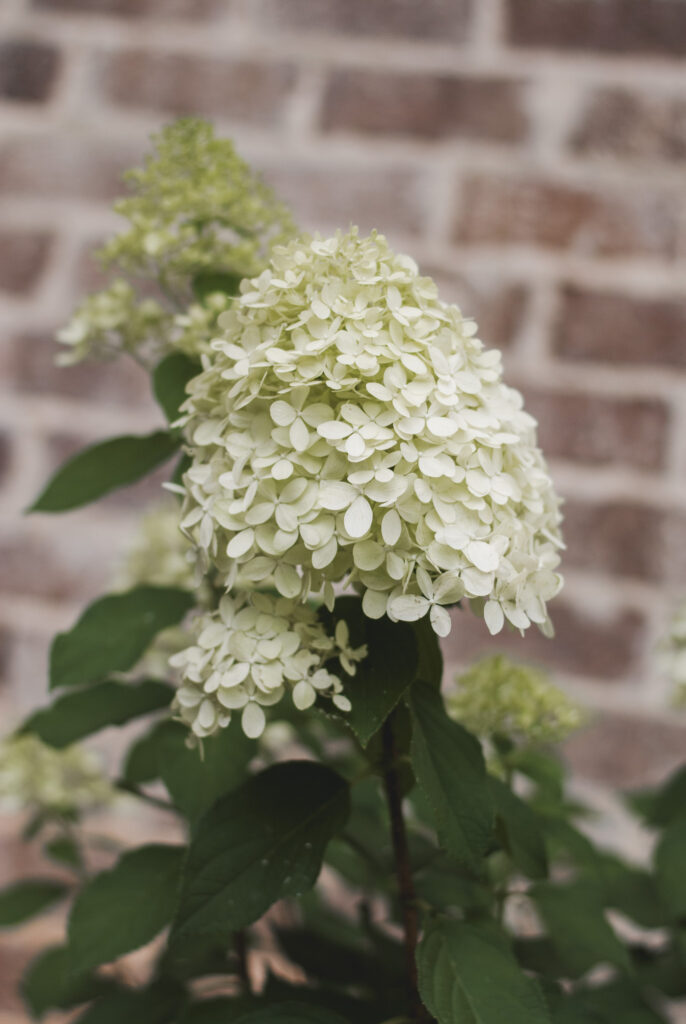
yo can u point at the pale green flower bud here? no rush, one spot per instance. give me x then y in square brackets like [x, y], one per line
[40, 778]
[672, 654]
[498, 697]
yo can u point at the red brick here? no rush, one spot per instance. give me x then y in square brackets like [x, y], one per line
[600, 429]
[675, 548]
[585, 643]
[164, 9]
[626, 751]
[27, 70]
[614, 26]
[327, 196]
[618, 538]
[612, 328]
[5, 456]
[177, 84]
[620, 123]
[31, 368]
[442, 20]
[497, 306]
[23, 258]
[65, 167]
[424, 106]
[499, 210]
[5, 652]
[70, 566]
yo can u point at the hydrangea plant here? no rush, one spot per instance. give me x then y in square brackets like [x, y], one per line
[348, 472]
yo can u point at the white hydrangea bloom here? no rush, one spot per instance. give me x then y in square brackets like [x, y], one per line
[672, 654]
[37, 776]
[351, 427]
[249, 653]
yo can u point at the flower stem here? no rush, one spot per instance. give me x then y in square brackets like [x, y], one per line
[403, 870]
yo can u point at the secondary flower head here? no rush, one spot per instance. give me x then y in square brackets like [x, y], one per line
[249, 653]
[36, 776]
[498, 697]
[351, 427]
[672, 654]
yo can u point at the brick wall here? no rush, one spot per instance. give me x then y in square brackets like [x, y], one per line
[531, 154]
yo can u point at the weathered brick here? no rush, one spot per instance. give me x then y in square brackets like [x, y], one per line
[600, 429]
[613, 328]
[624, 124]
[5, 456]
[593, 221]
[615, 26]
[327, 196]
[164, 9]
[30, 367]
[69, 566]
[442, 20]
[605, 647]
[65, 167]
[244, 90]
[27, 70]
[618, 538]
[5, 651]
[23, 258]
[675, 548]
[626, 750]
[498, 306]
[424, 106]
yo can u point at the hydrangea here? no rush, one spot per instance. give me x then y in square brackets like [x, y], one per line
[672, 654]
[498, 697]
[36, 776]
[350, 426]
[249, 653]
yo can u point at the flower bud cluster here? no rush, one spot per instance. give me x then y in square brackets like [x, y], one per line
[36, 776]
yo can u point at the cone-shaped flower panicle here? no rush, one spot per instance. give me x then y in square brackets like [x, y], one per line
[249, 653]
[350, 427]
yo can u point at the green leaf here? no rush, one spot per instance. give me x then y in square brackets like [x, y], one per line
[25, 899]
[217, 1011]
[430, 662]
[576, 922]
[292, 1013]
[670, 868]
[125, 907]
[618, 1002]
[263, 841]
[194, 778]
[522, 836]
[208, 282]
[468, 974]
[113, 633]
[443, 884]
[104, 467]
[169, 380]
[449, 767]
[631, 890]
[659, 806]
[48, 984]
[64, 850]
[384, 675]
[79, 714]
[158, 1004]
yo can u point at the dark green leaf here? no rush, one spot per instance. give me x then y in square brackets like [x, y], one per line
[544, 769]
[217, 1011]
[333, 961]
[49, 985]
[64, 850]
[113, 633]
[522, 837]
[263, 841]
[104, 467]
[631, 890]
[158, 1004]
[616, 1003]
[468, 974]
[195, 778]
[670, 868]
[430, 656]
[384, 675]
[449, 767]
[25, 899]
[659, 806]
[576, 922]
[125, 907]
[443, 884]
[292, 1013]
[85, 712]
[169, 381]
[209, 282]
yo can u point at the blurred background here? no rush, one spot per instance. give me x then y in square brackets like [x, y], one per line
[530, 154]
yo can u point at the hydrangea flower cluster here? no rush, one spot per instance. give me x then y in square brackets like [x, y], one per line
[249, 653]
[199, 221]
[498, 697]
[350, 426]
[672, 654]
[34, 775]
